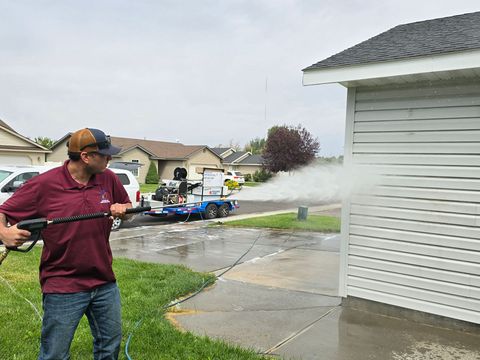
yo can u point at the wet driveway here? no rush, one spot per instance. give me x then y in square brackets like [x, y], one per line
[281, 298]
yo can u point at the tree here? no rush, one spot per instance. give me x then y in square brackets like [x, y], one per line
[289, 147]
[44, 141]
[255, 146]
[152, 174]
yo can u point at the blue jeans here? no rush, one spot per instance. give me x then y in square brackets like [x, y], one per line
[62, 313]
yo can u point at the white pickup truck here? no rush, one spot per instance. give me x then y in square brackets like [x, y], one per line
[12, 177]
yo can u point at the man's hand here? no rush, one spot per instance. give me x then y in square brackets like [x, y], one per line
[118, 210]
[12, 236]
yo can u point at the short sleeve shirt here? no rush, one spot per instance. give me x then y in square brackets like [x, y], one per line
[76, 256]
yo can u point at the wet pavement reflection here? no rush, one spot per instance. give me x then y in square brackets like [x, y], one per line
[208, 249]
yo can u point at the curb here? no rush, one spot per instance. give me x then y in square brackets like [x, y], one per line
[277, 212]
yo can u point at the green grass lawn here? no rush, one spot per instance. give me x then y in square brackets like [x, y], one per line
[318, 223]
[148, 188]
[145, 288]
[252, 183]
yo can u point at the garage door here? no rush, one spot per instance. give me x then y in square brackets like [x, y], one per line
[15, 160]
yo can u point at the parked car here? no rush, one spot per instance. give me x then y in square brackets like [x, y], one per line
[132, 186]
[235, 176]
[12, 177]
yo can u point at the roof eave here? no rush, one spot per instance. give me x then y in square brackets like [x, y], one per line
[393, 68]
[24, 138]
[202, 148]
[136, 146]
[40, 151]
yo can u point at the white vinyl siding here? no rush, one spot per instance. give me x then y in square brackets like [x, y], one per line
[414, 240]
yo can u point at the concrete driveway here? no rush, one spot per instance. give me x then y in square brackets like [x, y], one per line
[281, 298]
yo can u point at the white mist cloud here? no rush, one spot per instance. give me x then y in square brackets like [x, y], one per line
[313, 184]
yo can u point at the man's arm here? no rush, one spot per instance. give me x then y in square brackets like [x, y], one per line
[11, 236]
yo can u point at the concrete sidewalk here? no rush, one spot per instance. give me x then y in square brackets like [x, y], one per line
[281, 299]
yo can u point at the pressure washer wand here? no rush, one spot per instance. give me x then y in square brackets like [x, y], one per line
[35, 226]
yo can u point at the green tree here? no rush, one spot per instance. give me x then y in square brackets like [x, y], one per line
[255, 146]
[152, 174]
[289, 147]
[44, 141]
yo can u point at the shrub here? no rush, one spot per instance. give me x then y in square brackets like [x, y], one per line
[248, 177]
[262, 175]
[152, 175]
[232, 184]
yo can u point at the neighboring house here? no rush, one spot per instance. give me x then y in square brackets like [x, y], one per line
[223, 152]
[413, 114]
[166, 156]
[16, 149]
[242, 161]
[249, 164]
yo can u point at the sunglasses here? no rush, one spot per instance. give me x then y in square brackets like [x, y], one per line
[101, 144]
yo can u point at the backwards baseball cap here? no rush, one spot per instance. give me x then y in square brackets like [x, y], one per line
[91, 140]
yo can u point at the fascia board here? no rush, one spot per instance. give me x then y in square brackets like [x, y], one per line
[24, 138]
[243, 157]
[27, 151]
[410, 66]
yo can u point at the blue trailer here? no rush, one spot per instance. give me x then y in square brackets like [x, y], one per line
[181, 197]
[208, 209]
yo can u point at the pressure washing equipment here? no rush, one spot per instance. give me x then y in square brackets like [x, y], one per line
[180, 197]
[35, 226]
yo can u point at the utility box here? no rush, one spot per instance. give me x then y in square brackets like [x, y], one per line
[302, 213]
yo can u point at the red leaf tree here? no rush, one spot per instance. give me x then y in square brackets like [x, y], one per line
[289, 147]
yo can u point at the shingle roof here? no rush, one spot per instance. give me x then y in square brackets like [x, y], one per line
[252, 160]
[219, 150]
[430, 37]
[161, 149]
[231, 158]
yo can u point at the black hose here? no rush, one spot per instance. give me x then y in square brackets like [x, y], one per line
[97, 215]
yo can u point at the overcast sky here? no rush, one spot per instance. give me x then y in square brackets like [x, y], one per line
[193, 71]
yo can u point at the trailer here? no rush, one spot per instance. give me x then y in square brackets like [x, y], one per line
[180, 197]
[208, 209]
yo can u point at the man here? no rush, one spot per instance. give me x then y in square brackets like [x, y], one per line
[76, 273]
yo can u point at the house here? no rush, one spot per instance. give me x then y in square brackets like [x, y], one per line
[223, 152]
[243, 161]
[165, 155]
[16, 149]
[413, 114]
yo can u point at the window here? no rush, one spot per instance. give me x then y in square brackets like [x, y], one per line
[135, 171]
[10, 187]
[124, 179]
[4, 174]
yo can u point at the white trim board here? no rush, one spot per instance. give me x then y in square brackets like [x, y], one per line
[395, 68]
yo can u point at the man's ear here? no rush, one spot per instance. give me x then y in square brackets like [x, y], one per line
[84, 157]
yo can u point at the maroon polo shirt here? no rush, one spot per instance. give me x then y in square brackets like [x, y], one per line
[76, 256]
